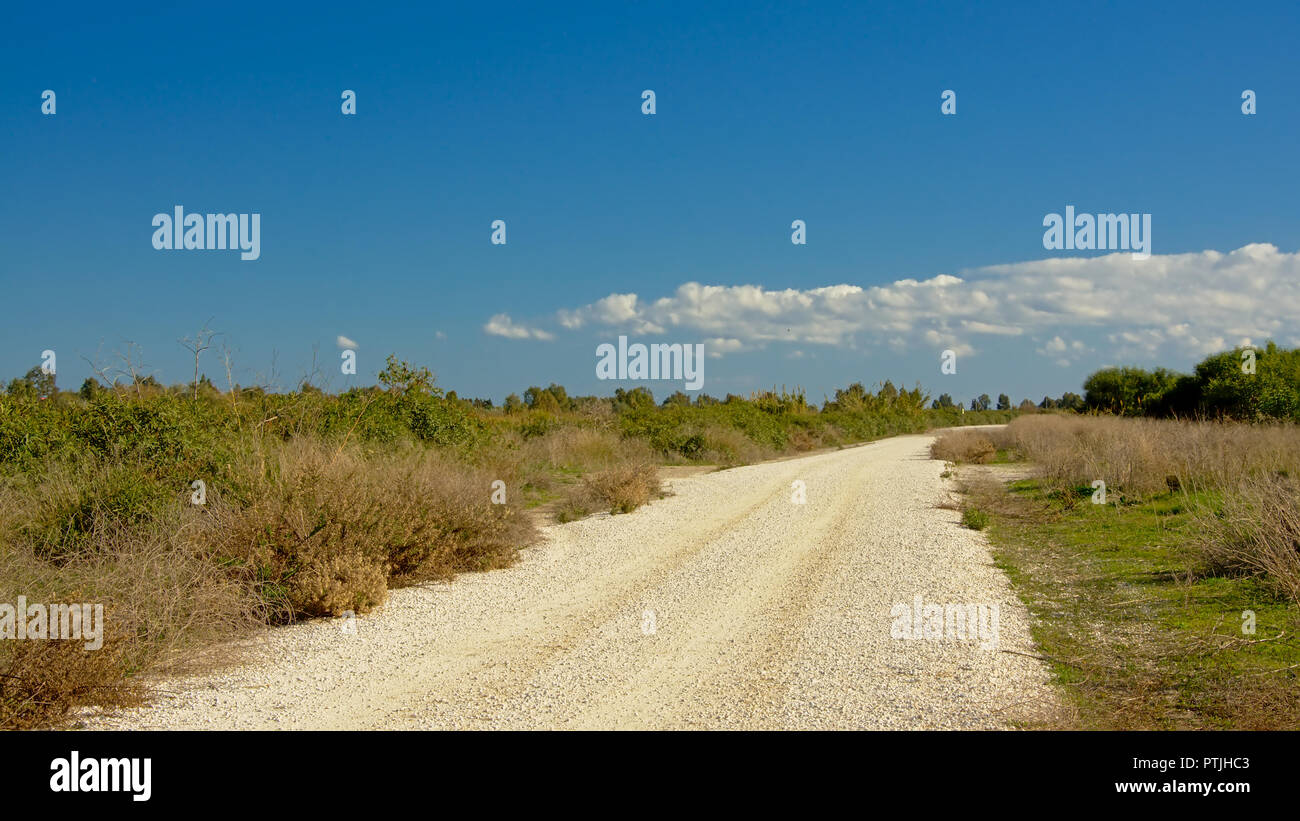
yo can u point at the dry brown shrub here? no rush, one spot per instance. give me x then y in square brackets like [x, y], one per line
[964, 446]
[43, 681]
[1255, 531]
[329, 526]
[295, 528]
[163, 599]
[1143, 457]
[623, 488]
[801, 440]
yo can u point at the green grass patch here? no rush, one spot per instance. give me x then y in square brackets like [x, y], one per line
[1134, 634]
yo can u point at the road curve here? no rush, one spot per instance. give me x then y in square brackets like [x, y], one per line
[725, 605]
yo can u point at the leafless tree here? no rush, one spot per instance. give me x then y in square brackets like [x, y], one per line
[99, 368]
[132, 363]
[200, 342]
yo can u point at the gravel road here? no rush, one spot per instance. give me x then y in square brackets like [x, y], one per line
[726, 605]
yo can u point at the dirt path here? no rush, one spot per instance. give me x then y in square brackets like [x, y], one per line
[726, 605]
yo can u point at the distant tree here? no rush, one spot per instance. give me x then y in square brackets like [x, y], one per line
[852, 398]
[91, 388]
[1004, 402]
[983, 403]
[561, 396]
[1070, 401]
[398, 376]
[513, 403]
[888, 392]
[541, 399]
[678, 398]
[1027, 405]
[635, 399]
[1128, 391]
[914, 399]
[35, 384]
[944, 402]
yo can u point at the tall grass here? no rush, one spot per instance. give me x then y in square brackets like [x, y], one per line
[1142, 457]
[1241, 481]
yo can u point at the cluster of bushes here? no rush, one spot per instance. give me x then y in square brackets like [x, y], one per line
[1250, 384]
[288, 529]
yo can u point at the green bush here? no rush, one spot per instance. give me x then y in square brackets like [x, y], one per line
[1221, 386]
[974, 518]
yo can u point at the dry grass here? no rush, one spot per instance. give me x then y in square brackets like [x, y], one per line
[624, 488]
[968, 446]
[1255, 530]
[1142, 457]
[1241, 481]
[302, 528]
[162, 593]
[584, 470]
[618, 489]
[324, 529]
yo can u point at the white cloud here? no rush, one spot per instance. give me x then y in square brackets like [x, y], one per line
[986, 328]
[503, 325]
[715, 348]
[344, 342]
[1193, 302]
[1063, 353]
[615, 309]
[947, 342]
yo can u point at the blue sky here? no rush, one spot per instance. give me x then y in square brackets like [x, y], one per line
[376, 227]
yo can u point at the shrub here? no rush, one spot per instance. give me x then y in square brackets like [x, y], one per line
[624, 488]
[327, 527]
[974, 518]
[964, 446]
[1254, 530]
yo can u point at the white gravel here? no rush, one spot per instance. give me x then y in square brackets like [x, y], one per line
[723, 606]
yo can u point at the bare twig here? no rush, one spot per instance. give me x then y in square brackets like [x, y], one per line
[200, 342]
